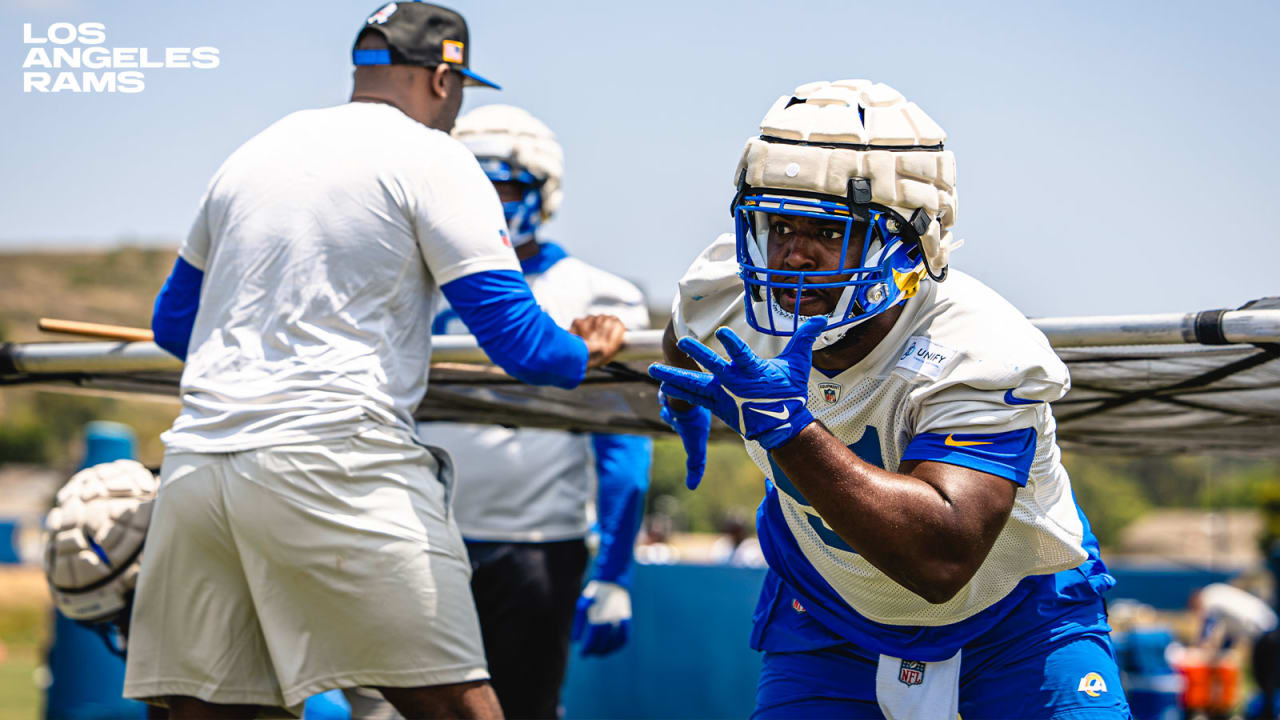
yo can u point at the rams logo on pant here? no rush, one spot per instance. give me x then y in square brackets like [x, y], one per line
[1092, 685]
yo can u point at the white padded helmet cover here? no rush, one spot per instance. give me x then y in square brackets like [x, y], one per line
[903, 179]
[108, 505]
[513, 135]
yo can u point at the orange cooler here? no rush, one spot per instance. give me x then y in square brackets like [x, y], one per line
[1210, 688]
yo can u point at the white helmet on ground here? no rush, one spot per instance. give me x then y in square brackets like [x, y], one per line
[514, 146]
[94, 537]
[851, 151]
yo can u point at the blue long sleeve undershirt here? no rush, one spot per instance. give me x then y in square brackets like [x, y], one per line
[499, 309]
[174, 313]
[497, 306]
[622, 472]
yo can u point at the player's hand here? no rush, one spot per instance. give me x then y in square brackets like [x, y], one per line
[603, 335]
[602, 620]
[693, 426]
[764, 400]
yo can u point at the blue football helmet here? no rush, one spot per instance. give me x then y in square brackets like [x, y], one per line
[871, 166]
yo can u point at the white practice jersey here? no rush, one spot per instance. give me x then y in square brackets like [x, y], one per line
[323, 241]
[528, 484]
[960, 361]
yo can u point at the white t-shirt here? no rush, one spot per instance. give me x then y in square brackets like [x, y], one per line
[529, 484]
[323, 241]
[960, 359]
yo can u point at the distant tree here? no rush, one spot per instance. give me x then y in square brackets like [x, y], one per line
[732, 485]
[1110, 496]
[24, 443]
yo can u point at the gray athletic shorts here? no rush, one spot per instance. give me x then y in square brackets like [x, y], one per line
[270, 575]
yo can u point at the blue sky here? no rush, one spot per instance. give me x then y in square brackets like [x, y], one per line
[1113, 157]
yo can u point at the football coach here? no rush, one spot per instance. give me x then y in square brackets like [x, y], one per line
[293, 490]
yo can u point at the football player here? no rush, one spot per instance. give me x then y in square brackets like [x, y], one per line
[522, 494]
[926, 554]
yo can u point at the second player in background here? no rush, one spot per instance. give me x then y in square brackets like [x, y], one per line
[522, 495]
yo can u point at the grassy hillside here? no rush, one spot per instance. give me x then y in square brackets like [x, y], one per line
[112, 286]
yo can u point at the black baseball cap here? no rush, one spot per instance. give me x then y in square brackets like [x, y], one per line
[422, 34]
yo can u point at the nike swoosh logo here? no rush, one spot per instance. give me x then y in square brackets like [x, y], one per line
[1009, 399]
[953, 442]
[780, 414]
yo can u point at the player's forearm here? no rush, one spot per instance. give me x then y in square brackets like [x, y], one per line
[902, 525]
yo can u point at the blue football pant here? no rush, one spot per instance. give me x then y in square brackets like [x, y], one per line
[1039, 674]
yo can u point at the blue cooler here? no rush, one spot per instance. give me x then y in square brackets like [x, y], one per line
[1151, 684]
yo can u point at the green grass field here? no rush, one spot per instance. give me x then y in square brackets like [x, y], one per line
[19, 696]
[24, 630]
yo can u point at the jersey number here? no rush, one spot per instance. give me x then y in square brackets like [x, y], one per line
[867, 448]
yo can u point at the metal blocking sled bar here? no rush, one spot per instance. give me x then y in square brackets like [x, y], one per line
[1211, 327]
[1198, 382]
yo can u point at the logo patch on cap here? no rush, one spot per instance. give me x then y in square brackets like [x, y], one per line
[452, 51]
[381, 16]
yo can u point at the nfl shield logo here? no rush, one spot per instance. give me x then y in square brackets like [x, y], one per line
[830, 392]
[911, 672]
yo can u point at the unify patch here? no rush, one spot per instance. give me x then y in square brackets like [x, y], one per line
[923, 356]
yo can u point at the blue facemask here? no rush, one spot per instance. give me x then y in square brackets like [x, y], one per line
[881, 267]
[523, 215]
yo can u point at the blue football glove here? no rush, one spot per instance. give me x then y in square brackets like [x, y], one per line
[602, 619]
[764, 400]
[693, 426]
